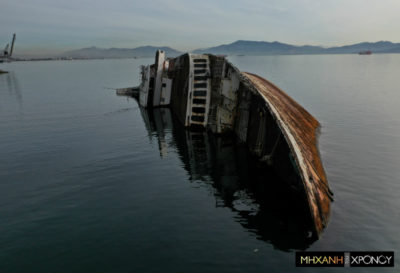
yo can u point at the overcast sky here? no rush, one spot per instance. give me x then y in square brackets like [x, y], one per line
[55, 25]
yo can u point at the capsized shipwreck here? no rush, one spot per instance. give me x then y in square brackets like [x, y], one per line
[207, 92]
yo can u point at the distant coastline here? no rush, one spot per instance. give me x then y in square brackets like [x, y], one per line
[238, 48]
[36, 59]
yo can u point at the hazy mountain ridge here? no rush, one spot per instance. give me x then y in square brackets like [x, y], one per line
[240, 47]
[276, 48]
[377, 47]
[258, 48]
[142, 51]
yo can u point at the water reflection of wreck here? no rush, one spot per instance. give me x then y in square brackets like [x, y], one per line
[262, 203]
[208, 92]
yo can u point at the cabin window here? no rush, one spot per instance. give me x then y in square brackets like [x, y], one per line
[200, 85]
[227, 74]
[199, 110]
[200, 93]
[200, 65]
[200, 78]
[198, 118]
[199, 101]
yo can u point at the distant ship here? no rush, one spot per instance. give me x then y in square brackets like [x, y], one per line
[366, 52]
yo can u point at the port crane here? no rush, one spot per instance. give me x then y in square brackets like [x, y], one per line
[5, 54]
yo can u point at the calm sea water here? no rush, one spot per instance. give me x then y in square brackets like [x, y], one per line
[89, 182]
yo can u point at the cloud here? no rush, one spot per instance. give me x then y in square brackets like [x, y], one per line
[188, 24]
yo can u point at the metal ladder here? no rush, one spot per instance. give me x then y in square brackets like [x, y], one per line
[199, 96]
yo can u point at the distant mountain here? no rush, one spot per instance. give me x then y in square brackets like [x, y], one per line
[276, 48]
[236, 48]
[95, 52]
[378, 47]
[260, 48]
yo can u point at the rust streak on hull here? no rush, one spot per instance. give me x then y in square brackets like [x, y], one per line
[300, 129]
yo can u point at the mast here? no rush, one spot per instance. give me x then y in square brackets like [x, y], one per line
[12, 45]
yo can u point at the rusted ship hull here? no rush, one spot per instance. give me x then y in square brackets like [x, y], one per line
[300, 131]
[209, 92]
